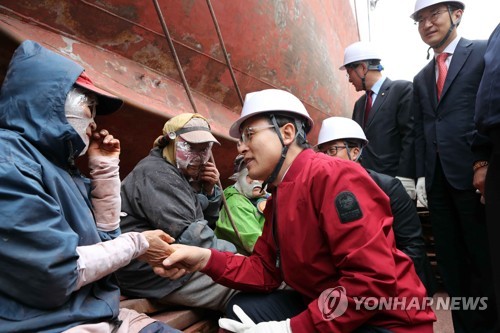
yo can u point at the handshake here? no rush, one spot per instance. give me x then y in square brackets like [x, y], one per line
[159, 247]
[170, 260]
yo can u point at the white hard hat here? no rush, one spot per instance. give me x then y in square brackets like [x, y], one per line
[340, 128]
[421, 4]
[360, 51]
[266, 101]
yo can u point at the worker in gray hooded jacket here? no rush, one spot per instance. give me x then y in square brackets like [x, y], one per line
[59, 230]
[174, 189]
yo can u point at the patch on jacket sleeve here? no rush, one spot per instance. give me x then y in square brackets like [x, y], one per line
[348, 207]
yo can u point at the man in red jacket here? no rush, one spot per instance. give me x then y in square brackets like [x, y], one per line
[327, 235]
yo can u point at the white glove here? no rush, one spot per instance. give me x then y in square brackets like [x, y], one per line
[421, 193]
[248, 326]
[409, 185]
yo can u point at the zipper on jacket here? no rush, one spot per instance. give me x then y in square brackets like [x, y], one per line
[275, 229]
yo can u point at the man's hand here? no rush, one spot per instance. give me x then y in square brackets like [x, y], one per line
[159, 247]
[479, 178]
[248, 326]
[185, 259]
[209, 176]
[103, 144]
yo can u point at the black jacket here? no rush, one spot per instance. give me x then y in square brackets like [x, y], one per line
[407, 227]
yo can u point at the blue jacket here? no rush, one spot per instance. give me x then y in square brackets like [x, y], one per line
[488, 96]
[44, 202]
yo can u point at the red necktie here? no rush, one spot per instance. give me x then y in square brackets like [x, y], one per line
[442, 71]
[368, 105]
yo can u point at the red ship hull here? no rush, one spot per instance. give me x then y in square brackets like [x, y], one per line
[286, 44]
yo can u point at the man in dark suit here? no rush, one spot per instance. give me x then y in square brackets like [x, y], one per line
[444, 98]
[487, 170]
[385, 114]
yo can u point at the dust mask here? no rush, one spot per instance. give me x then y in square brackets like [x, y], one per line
[246, 188]
[77, 114]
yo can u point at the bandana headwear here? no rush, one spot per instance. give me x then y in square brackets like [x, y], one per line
[74, 108]
[191, 127]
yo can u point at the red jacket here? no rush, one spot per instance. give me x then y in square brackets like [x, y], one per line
[326, 241]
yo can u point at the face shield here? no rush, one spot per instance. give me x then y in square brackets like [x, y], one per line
[190, 157]
[80, 110]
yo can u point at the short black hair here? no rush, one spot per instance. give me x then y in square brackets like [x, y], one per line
[283, 119]
[454, 5]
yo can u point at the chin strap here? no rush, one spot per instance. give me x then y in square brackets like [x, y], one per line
[348, 149]
[441, 43]
[363, 82]
[300, 131]
[284, 151]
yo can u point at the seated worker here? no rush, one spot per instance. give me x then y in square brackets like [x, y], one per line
[174, 189]
[344, 138]
[246, 201]
[60, 231]
[328, 235]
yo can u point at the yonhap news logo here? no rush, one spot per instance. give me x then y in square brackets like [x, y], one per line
[333, 303]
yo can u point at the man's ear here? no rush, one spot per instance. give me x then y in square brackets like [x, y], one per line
[356, 151]
[288, 133]
[458, 16]
[364, 66]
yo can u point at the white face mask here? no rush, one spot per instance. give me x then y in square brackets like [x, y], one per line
[190, 158]
[247, 189]
[75, 109]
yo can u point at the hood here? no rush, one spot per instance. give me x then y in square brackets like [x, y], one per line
[230, 191]
[32, 101]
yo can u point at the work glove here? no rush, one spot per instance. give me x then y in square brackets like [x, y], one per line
[421, 193]
[248, 326]
[409, 185]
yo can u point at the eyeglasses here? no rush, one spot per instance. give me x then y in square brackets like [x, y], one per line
[349, 68]
[333, 150]
[247, 133]
[431, 18]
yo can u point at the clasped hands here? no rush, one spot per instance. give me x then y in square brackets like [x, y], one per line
[170, 260]
[173, 261]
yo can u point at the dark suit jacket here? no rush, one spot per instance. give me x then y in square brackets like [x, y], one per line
[389, 130]
[447, 126]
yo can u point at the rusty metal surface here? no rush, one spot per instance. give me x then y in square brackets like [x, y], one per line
[290, 44]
